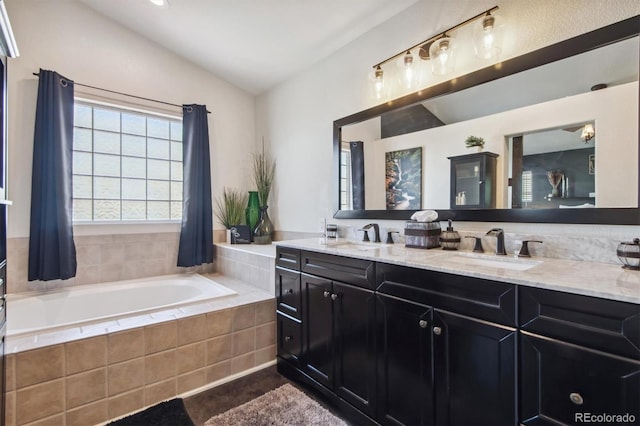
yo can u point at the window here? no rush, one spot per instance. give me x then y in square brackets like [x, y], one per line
[345, 180]
[127, 165]
[527, 187]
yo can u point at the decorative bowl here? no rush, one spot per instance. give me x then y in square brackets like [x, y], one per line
[629, 254]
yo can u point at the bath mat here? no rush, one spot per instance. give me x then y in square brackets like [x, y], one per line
[168, 413]
[284, 406]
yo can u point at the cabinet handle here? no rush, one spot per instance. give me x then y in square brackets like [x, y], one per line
[326, 294]
[423, 324]
[288, 338]
[437, 331]
[576, 398]
[334, 296]
[290, 291]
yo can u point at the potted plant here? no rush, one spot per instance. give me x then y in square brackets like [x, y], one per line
[230, 208]
[264, 169]
[472, 141]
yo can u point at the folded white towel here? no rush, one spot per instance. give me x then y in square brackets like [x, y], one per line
[425, 216]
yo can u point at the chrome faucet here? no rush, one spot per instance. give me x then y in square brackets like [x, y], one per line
[376, 230]
[499, 234]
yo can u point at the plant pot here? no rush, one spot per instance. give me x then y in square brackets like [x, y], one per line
[264, 228]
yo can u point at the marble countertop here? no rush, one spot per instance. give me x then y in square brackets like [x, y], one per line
[603, 280]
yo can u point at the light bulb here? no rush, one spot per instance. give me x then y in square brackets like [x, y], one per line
[588, 132]
[408, 70]
[376, 78]
[487, 37]
[442, 54]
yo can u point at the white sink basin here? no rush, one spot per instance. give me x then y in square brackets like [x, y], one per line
[498, 262]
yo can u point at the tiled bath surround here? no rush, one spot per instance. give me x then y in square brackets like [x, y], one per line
[103, 258]
[247, 263]
[93, 374]
[92, 380]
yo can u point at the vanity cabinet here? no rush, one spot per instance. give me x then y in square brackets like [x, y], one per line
[440, 360]
[398, 345]
[335, 318]
[580, 356]
[473, 181]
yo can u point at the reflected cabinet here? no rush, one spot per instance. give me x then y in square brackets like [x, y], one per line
[473, 181]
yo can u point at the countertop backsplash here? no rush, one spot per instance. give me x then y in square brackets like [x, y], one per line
[596, 243]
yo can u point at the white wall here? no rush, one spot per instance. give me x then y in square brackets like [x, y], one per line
[296, 117]
[73, 40]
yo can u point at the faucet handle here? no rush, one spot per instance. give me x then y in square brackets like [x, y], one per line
[477, 247]
[524, 250]
[365, 235]
[390, 236]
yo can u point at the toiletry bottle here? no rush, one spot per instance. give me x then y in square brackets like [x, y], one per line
[450, 239]
[463, 198]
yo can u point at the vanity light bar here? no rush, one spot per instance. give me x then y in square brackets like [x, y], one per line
[441, 34]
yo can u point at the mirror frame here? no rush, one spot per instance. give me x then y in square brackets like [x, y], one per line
[619, 31]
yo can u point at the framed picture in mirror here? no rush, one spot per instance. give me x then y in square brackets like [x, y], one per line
[403, 179]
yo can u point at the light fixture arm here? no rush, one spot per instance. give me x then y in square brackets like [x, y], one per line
[439, 35]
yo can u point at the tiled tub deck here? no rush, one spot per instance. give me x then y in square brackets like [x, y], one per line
[105, 371]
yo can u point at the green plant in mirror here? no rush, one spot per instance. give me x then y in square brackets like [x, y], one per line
[230, 207]
[472, 141]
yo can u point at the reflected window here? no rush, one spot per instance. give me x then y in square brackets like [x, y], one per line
[527, 188]
[345, 180]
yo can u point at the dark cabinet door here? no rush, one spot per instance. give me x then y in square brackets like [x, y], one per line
[475, 371]
[562, 383]
[354, 345]
[405, 364]
[317, 328]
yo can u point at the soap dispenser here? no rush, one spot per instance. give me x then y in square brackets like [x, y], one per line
[450, 239]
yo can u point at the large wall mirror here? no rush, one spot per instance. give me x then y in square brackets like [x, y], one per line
[561, 122]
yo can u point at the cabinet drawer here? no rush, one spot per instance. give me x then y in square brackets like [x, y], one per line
[345, 269]
[607, 325]
[288, 258]
[484, 299]
[560, 381]
[288, 294]
[289, 338]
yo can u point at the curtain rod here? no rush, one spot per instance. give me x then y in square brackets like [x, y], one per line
[124, 94]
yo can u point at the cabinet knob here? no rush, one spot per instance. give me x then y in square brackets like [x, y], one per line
[422, 324]
[437, 331]
[326, 294]
[287, 338]
[576, 398]
[334, 296]
[290, 291]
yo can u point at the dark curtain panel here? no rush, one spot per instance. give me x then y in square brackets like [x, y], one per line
[52, 252]
[196, 235]
[357, 174]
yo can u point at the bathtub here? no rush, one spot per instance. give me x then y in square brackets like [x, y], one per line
[89, 304]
